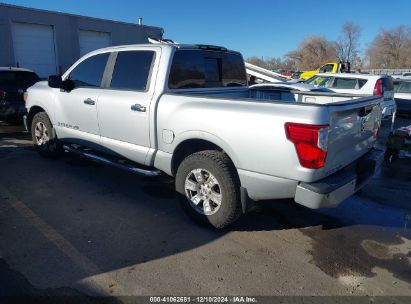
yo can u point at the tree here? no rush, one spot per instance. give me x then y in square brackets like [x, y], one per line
[347, 46]
[272, 63]
[313, 52]
[391, 49]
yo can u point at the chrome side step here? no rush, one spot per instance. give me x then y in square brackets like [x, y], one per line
[109, 162]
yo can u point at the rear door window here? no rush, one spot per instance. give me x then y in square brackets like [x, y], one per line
[320, 81]
[202, 69]
[89, 73]
[344, 83]
[132, 70]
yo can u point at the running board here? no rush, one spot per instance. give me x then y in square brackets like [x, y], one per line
[109, 162]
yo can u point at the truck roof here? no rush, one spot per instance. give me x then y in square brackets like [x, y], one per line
[165, 45]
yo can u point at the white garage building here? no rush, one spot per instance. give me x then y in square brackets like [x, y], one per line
[49, 42]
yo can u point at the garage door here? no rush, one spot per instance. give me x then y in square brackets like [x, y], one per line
[93, 40]
[34, 48]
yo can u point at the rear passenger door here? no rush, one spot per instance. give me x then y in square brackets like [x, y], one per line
[124, 103]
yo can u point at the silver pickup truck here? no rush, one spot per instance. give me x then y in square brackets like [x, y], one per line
[186, 111]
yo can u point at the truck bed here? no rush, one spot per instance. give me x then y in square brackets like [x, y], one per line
[259, 116]
[279, 95]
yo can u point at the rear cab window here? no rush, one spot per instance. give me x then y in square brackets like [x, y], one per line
[206, 69]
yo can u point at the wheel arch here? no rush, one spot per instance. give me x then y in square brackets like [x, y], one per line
[189, 146]
[33, 111]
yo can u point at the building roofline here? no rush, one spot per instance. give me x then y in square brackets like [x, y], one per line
[75, 15]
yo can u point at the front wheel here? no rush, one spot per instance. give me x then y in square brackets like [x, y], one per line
[209, 188]
[44, 139]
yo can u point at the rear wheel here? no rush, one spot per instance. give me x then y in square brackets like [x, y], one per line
[209, 188]
[44, 138]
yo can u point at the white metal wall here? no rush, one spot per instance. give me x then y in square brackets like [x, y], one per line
[34, 48]
[93, 40]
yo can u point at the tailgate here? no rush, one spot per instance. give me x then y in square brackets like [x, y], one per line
[353, 128]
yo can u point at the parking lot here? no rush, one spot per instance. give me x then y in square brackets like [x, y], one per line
[74, 227]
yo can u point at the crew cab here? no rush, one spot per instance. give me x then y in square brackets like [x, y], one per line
[186, 111]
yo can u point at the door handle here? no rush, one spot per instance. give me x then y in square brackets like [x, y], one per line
[138, 107]
[89, 101]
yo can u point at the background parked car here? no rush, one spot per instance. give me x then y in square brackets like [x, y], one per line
[405, 75]
[13, 83]
[360, 84]
[402, 96]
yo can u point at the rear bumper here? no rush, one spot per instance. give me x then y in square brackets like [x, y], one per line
[332, 190]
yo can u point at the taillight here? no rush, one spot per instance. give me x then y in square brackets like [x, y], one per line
[25, 96]
[310, 143]
[378, 89]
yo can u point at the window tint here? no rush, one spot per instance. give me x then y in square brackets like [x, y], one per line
[187, 70]
[233, 70]
[132, 70]
[344, 83]
[319, 81]
[89, 73]
[201, 69]
[212, 69]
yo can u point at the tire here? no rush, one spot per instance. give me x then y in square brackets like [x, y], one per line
[48, 146]
[217, 169]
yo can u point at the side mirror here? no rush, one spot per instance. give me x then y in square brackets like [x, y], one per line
[55, 81]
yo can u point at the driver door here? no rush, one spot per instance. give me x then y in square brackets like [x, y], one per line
[76, 109]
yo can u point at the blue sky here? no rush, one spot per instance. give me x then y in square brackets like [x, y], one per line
[256, 28]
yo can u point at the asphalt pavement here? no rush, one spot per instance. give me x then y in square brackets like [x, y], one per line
[74, 227]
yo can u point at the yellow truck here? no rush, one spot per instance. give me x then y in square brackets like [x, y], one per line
[329, 67]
